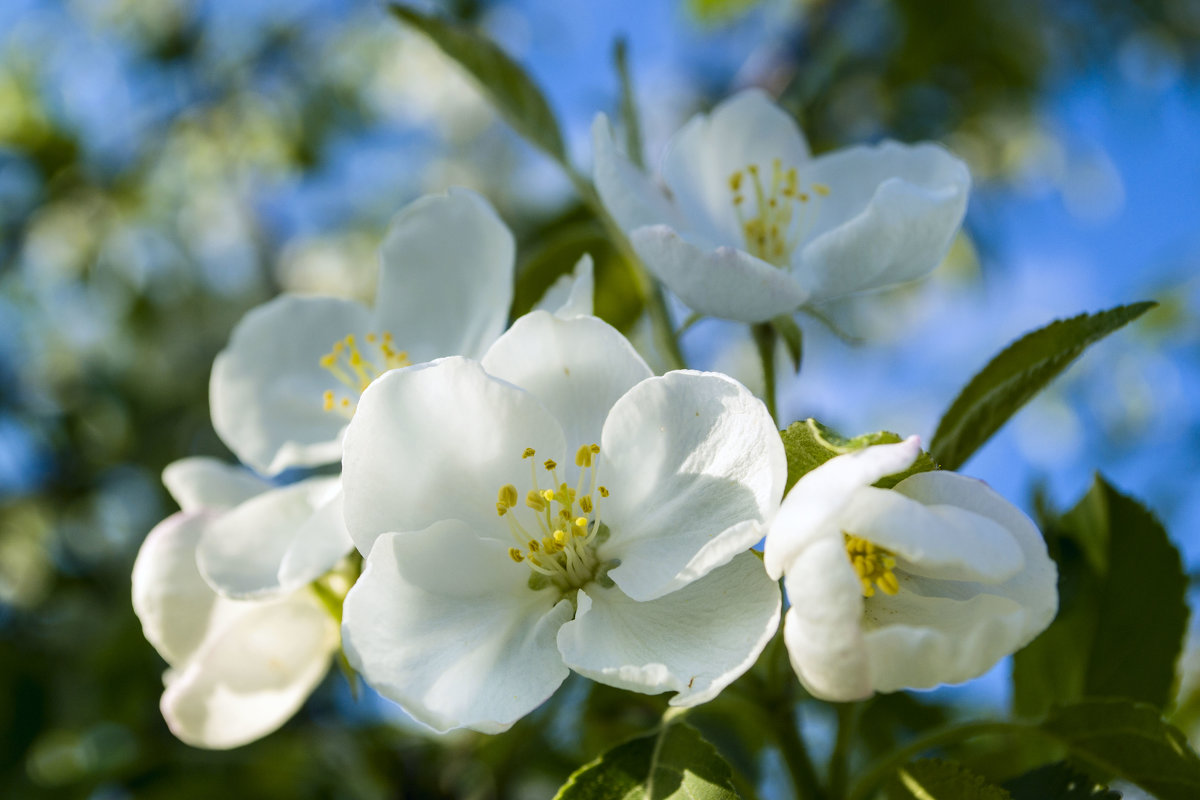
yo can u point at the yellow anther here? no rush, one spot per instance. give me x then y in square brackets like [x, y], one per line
[752, 169]
[585, 504]
[549, 464]
[873, 565]
[735, 181]
[581, 522]
[595, 448]
[560, 537]
[529, 453]
[329, 360]
[602, 490]
[328, 398]
[501, 509]
[534, 500]
[821, 189]
[507, 495]
[515, 555]
[549, 545]
[345, 402]
[534, 545]
[349, 340]
[583, 456]
[547, 495]
[372, 338]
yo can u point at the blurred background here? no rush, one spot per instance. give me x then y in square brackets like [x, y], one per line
[167, 164]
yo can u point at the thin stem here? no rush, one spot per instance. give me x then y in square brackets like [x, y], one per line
[880, 772]
[764, 340]
[839, 762]
[795, 754]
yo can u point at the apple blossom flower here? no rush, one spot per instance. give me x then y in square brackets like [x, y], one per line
[556, 507]
[930, 582]
[238, 669]
[283, 389]
[751, 226]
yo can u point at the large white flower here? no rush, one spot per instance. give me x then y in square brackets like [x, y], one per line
[751, 226]
[930, 582]
[239, 668]
[283, 389]
[596, 518]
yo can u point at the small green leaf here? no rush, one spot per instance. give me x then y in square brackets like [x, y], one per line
[793, 338]
[1123, 612]
[629, 112]
[935, 779]
[1058, 781]
[1128, 740]
[510, 89]
[1016, 375]
[674, 764]
[808, 444]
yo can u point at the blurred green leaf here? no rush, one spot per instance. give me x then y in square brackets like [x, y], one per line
[808, 444]
[935, 779]
[716, 11]
[1122, 614]
[793, 338]
[1128, 740]
[629, 112]
[674, 764]
[506, 84]
[1058, 781]
[1014, 376]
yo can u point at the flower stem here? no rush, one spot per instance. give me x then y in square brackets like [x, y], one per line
[795, 754]
[877, 774]
[764, 340]
[839, 762]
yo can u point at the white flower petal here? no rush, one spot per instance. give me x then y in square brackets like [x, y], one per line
[922, 642]
[628, 193]
[822, 628]
[808, 510]
[176, 607]
[443, 623]
[571, 295]
[267, 386]
[725, 282]
[695, 641]
[577, 368]
[695, 467]
[200, 482]
[437, 441]
[241, 553]
[942, 541]
[890, 217]
[253, 677]
[1036, 586]
[447, 276]
[746, 129]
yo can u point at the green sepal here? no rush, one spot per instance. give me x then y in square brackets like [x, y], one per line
[808, 444]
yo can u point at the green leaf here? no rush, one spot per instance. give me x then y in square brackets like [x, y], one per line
[1058, 781]
[1123, 612]
[674, 764]
[808, 444]
[508, 87]
[1128, 740]
[629, 112]
[1016, 375]
[793, 338]
[935, 779]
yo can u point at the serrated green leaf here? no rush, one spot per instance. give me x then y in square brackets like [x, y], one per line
[1123, 612]
[508, 87]
[674, 764]
[935, 779]
[793, 338]
[808, 444]
[1131, 741]
[1058, 781]
[1016, 375]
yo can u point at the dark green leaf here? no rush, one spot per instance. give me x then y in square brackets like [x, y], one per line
[793, 338]
[1128, 740]
[510, 89]
[674, 764]
[1016, 375]
[808, 444]
[629, 112]
[1122, 614]
[935, 779]
[1058, 781]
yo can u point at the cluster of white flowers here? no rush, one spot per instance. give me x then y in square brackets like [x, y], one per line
[528, 502]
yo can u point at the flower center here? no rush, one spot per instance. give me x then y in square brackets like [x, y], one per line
[768, 233]
[560, 546]
[355, 371]
[873, 564]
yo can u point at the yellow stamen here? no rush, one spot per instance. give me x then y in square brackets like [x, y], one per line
[529, 453]
[515, 555]
[873, 565]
